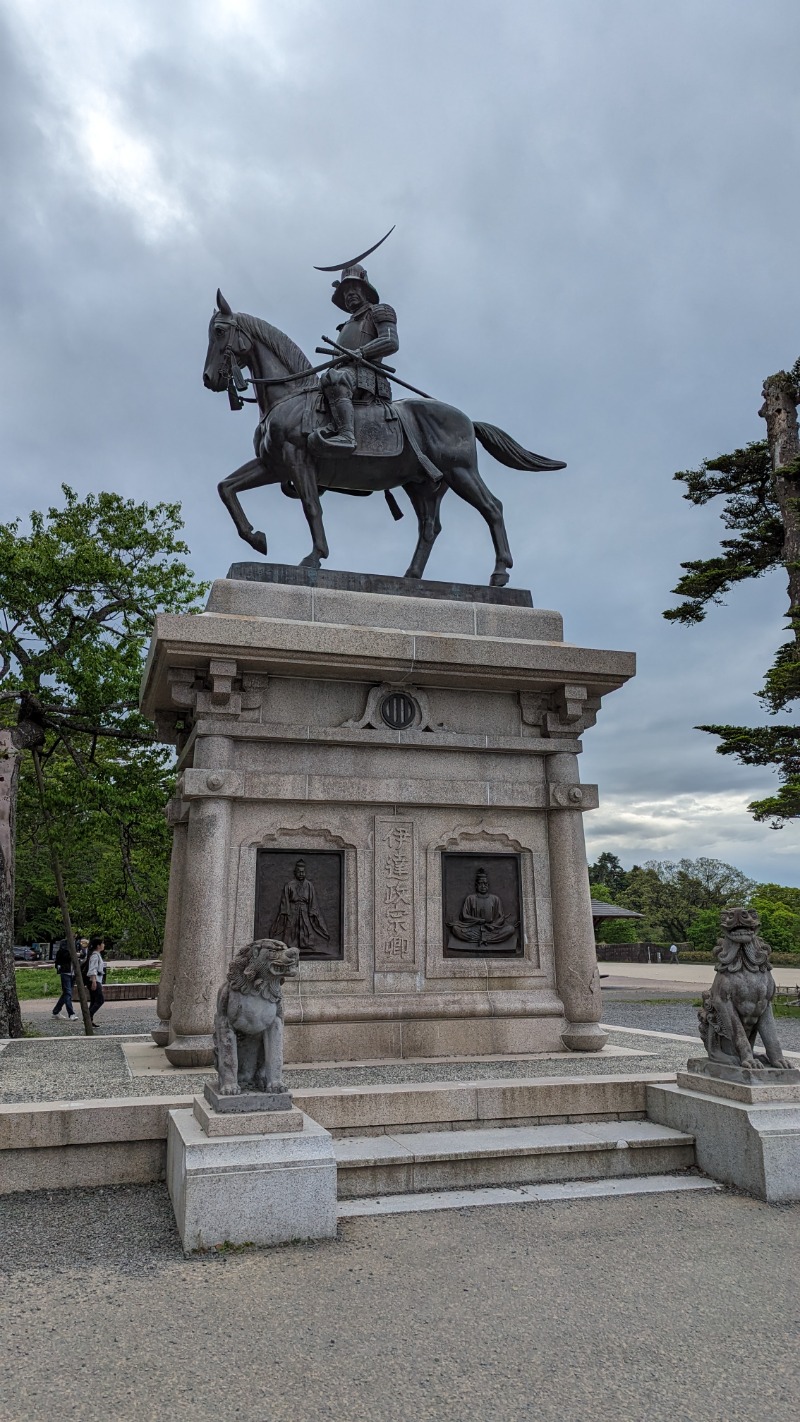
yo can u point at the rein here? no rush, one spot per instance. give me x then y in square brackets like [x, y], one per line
[237, 381]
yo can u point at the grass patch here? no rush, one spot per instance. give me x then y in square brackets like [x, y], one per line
[780, 1007]
[45, 982]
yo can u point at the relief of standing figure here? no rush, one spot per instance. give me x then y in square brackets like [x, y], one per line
[299, 921]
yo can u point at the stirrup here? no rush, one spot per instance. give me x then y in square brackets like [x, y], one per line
[332, 443]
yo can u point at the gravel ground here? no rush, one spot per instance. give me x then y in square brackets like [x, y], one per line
[117, 1019]
[31, 1070]
[74, 1068]
[598, 1310]
[680, 1017]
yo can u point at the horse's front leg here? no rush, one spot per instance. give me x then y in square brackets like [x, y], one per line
[303, 474]
[250, 476]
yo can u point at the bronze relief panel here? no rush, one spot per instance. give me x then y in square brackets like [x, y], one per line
[299, 897]
[482, 905]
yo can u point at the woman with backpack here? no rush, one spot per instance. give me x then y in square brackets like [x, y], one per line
[95, 972]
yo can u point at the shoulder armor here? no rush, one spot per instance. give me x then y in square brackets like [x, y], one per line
[384, 314]
[341, 326]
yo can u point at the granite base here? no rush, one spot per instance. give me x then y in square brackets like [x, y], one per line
[245, 1123]
[247, 1101]
[250, 1189]
[754, 1146]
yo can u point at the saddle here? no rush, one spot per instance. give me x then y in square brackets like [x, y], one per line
[378, 430]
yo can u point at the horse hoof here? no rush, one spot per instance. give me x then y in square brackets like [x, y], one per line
[312, 561]
[498, 580]
[259, 542]
[409, 573]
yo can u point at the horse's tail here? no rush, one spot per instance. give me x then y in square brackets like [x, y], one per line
[507, 451]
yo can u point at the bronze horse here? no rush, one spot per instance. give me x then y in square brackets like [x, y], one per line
[438, 448]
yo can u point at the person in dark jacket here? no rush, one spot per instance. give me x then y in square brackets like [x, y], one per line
[65, 972]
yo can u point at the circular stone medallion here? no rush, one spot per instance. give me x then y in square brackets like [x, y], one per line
[398, 711]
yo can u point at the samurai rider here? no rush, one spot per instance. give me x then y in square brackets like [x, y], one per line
[370, 333]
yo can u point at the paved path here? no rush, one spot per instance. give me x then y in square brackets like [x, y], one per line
[639, 1309]
[682, 976]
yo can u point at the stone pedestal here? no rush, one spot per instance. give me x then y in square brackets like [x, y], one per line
[249, 1178]
[384, 738]
[746, 1124]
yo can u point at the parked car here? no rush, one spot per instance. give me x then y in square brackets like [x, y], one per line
[24, 954]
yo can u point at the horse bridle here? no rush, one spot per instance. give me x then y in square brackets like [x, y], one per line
[231, 372]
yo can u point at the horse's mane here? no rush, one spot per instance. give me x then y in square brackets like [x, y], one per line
[281, 345]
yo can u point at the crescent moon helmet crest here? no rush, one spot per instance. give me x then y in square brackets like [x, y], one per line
[353, 261]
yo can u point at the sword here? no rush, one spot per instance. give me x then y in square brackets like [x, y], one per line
[387, 370]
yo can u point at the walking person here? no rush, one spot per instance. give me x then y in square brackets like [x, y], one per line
[95, 972]
[64, 969]
[673, 953]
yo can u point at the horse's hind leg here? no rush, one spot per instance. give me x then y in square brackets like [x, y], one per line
[250, 476]
[465, 480]
[426, 501]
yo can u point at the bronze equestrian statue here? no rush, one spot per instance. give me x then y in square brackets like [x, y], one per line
[344, 434]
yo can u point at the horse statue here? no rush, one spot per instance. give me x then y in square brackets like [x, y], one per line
[421, 445]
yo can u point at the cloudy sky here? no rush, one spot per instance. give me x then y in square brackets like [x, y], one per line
[597, 212]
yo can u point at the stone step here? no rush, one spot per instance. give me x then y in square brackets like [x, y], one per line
[610, 1188]
[418, 1161]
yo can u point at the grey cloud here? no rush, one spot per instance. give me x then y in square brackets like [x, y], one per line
[595, 248]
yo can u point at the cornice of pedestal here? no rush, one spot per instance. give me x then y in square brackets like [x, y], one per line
[208, 644]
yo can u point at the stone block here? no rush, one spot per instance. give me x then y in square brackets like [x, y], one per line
[261, 1190]
[132, 1162]
[755, 1147]
[260, 1102]
[738, 1083]
[246, 1123]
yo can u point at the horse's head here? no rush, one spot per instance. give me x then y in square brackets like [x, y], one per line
[228, 346]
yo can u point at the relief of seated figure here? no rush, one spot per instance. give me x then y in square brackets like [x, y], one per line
[482, 924]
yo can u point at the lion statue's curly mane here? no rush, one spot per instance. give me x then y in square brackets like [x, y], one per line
[738, 1005]
[248, 1024]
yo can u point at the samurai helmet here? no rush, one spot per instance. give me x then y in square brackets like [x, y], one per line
[354, 273]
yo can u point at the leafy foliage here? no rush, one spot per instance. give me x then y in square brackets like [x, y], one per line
[607, 872]
[744, 479]
[78, 593]
[671, 896]
[761, 511]
[113, 843]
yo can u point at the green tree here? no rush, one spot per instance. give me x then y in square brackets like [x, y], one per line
[704, 930]
[79, 591]
[112, 840]
[672, 895]
[761, 489]
[607, 870]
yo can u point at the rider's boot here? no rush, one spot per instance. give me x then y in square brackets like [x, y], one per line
[342, 414]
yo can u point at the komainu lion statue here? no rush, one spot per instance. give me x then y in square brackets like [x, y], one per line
[248, 1025]
[738, 1005]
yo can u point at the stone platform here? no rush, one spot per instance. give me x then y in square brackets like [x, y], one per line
[233, 1182]
[395, 742]
[746, 1124]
